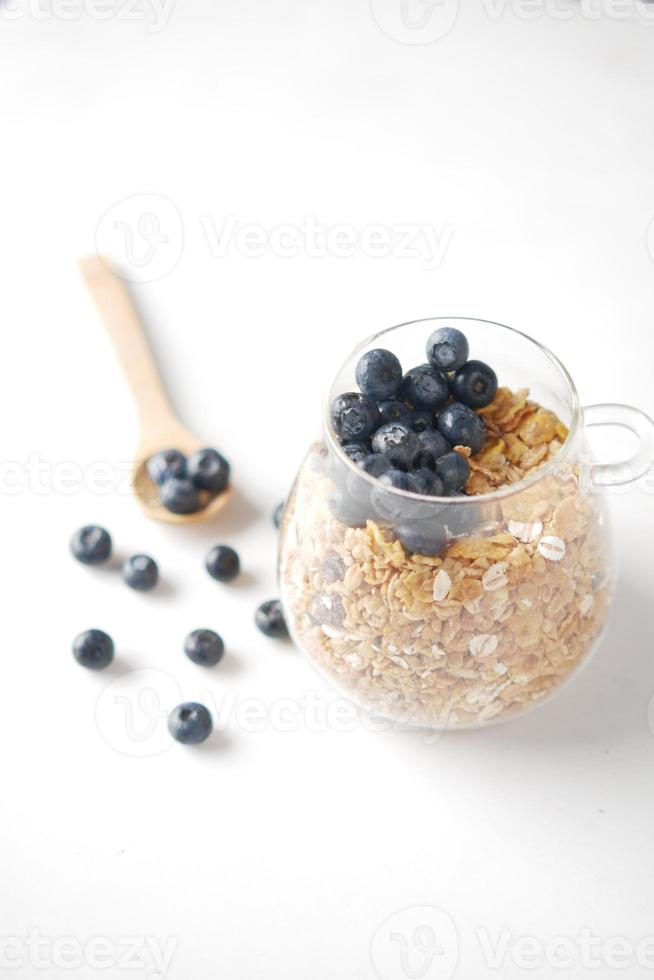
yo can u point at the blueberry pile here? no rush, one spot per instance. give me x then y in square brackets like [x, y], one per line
[401, 429]
[186, 485]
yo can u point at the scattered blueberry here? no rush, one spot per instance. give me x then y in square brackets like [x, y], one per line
[167, 465]
[422, 537]
[453, 470]
[462, 427]
[347, 509]
[431, 445]
[398, 480]
[423, 387]
[422, 419]
[91, 545]
[395, 411]
[428, 482]
[179, 496]
[447, 349]
[93, 649]
[356, 451]
[379, 374]
[277, 514]
[204, 647]
[354, 416]
[190, 723]
[333, 569]
[375, 464]
[475, 384]
[209, 470]
[223, 563]
[269, 618]
[140, 572]
[397, 441]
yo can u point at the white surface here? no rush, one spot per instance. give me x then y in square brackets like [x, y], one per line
[279, 854]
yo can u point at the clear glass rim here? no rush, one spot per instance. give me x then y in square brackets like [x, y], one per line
[503, 492]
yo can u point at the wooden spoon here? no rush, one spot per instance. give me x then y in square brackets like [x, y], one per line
[160, 428]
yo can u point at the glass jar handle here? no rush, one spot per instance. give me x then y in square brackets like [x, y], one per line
[626, 417]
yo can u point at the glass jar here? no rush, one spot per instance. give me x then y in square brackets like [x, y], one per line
[516, 599]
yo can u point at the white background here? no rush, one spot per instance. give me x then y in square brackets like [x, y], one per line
[272, 853]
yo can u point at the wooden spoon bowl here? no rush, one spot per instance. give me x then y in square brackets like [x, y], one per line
[160, 427]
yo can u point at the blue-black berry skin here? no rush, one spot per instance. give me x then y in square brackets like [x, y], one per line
[269, 618]
[204, 647]
[91, 545]
[379, 374]
[396, 441]
[354, 416]
[277, 515]
[209, 470]
[167, 465]
[359, 490]
[475, 384]
[423, 387]
[141, 573]
[453, 470]
[447, 349]
[462, 427]
[356, 451]
[422, 537]
[422, 419]
[431, 445]
[223, 563]
[347, 509]
[428, 482]
[179, 496]
[93, 649]
[393, 410]
[190, 723]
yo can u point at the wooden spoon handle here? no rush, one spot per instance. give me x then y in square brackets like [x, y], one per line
[117, 311]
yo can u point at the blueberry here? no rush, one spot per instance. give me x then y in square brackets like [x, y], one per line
[379, 374]
[423, 387]
[431, 445]
[93, 649]
[269, 618]
[140, 572]
[447, 349]
[428, 482]
[462, 427]
[179, 496]
[204, 647]
[354, 416]
[387, 505]
[347, 509]
[277, 514]
[375, 464]
[422, 537]
[358, 489]
[475, 384]
[422, 419]
[223, 563]
[209, 470]
[91, 545]
[167, 465]
[396, 441]
[395, 411]
[453, 470]
[356, 451]
[190, 723]
[398, 480]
